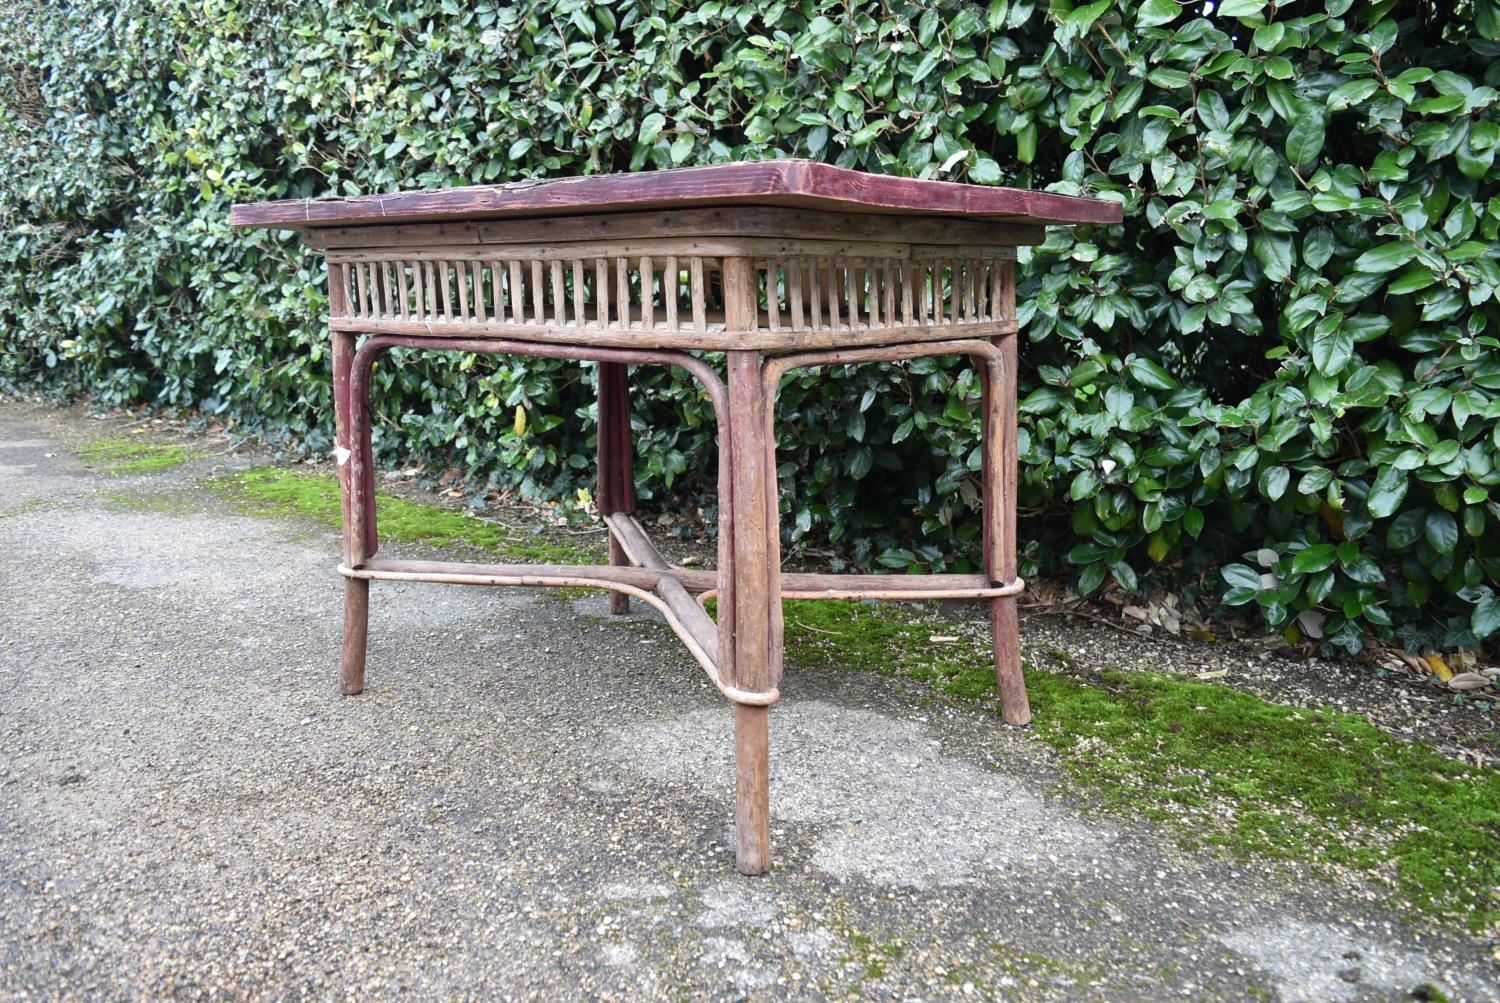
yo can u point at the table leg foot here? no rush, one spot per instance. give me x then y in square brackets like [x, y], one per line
[752, 821]
[356, 630]
[1014, 706]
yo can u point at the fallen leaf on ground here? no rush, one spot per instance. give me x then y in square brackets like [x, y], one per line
[1414, 663]
[1468, 681]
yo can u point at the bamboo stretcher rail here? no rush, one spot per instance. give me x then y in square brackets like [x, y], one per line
[691, 625]
[807, 586]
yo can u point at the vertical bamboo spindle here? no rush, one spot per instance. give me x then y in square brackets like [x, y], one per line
[517, 294]
[578, 293]
[476, 281]
[538, 295]
[601, 292]
[648, 294]
[671, 287]
[794, 290]
[559, 297]
[622, 291]
[697, 292]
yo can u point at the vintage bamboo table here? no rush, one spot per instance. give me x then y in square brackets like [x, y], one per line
[773, 266]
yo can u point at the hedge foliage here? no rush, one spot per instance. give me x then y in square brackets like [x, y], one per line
[1279, 372]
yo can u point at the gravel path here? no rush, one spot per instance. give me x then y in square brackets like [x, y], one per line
[532, 801]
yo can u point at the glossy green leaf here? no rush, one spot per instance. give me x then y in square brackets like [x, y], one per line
[1314, 558]
[1441, 531]
[1386, 257]
[1387, 493]
[1304, 143]
[1155, 12]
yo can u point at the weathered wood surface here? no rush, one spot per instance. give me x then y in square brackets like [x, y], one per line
[1000, 563]
[682, 224]
[708, 334]
[788, 183]
[616, 489]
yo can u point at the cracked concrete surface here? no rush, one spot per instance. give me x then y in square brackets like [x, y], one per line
[533, 800]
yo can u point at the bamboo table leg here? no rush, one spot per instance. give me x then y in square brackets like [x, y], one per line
[1000, 472]
[356, 590]
[750, 623]
[616, 477]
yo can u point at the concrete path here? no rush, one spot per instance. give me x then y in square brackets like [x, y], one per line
[532, 801]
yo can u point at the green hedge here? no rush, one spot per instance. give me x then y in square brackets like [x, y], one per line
[1275, 382]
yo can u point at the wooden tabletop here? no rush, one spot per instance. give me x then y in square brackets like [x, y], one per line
[790, 183]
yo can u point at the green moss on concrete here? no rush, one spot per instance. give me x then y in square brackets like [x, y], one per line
[874, 636]
[1226, 767]
[1321, 786]
[28, 507]
[127, 455]
[171, 502]
[316, 496]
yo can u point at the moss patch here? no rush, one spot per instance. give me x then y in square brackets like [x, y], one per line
[1226, 767]
[868, 635]
[122, 455]
[316, 496]
[28, 507]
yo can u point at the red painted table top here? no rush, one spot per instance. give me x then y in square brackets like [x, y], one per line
[800, 184]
